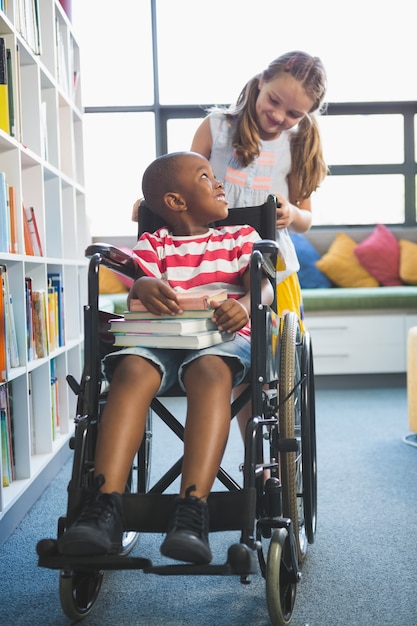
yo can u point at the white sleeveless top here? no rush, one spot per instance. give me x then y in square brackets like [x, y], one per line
[250, 186]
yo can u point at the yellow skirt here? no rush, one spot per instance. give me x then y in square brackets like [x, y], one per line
[289, 298]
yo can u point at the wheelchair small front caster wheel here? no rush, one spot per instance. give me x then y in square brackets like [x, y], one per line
[78, 592]
[280, 588]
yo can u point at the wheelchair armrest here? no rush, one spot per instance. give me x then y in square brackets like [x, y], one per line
[115, 259]
[269, 251]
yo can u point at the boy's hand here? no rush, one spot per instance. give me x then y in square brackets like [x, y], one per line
[156, 295]
[230, 315]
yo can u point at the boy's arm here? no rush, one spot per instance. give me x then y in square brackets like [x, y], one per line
[155, 294]
[232, 315]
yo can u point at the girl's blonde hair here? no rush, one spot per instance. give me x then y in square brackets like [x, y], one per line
[308, 165]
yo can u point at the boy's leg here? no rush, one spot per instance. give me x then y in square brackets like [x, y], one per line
[99, 528]
[208, 383]
[134, 384]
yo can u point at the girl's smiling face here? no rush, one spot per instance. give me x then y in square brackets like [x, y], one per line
[281, 104]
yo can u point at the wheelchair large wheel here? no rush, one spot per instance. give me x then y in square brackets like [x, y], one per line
[280, 591]
[290, 420]
[308, 436]
[78, 592]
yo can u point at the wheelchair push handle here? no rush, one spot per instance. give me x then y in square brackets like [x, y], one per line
[113, 258]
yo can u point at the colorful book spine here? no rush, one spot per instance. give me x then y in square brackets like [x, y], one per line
[12, 352]
[4, 95]
[4, 215]
[55, 282]
[34, 231]
[14, 238]
[27, 236]
[3, 348]
[53, 333]
[10, 92]
[6, 438]
[54, 402]
[30, 337]
[40, 324]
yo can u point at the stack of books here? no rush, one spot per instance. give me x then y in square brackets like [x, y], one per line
[192, 330]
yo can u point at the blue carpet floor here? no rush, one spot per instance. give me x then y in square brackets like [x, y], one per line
[360, 571]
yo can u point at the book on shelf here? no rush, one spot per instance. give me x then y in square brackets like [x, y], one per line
[54, 402]
[162, 327]
[53, 318]
[28, 23]
[187, 300]
[17, 96]
[61, 57]
[4, 215]
[4, 95]
[14, 239]
[12, 351]
[7, 455]
[40, 323]
[30, 337]
[185, 342]
[56, 285]
[10, 92]
[3, 348]
[27, 236]
[33, 230]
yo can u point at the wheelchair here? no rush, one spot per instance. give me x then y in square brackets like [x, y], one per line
[275, 507]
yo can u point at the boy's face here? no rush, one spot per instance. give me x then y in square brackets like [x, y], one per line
[202, 192]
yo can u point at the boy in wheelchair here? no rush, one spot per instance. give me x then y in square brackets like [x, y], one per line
[186, 254]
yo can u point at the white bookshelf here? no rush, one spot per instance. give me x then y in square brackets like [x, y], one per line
[43, 161]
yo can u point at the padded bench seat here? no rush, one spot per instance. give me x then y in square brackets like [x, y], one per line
[365, 298]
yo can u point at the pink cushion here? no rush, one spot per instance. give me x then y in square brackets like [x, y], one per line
[379, 254]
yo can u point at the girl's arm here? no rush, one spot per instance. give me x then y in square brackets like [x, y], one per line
[203, 141]
[294, 214]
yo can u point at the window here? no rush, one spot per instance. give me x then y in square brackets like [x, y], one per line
[136, 110]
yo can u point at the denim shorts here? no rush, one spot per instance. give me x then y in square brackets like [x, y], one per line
[171, 362]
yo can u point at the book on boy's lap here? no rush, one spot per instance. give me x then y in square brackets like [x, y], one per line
[198, 300]
[191, 330]
[185, 342]
[172, 326]
[187, 314]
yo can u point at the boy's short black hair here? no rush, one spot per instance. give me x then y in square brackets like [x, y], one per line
[159, 178]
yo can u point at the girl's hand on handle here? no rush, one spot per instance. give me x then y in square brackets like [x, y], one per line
[285, 212]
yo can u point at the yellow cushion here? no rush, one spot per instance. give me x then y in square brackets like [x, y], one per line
[109, 282]
[408, 262]
[341, 265]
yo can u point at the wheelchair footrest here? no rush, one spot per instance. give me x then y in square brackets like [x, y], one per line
[50, 558]
[241, 560]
